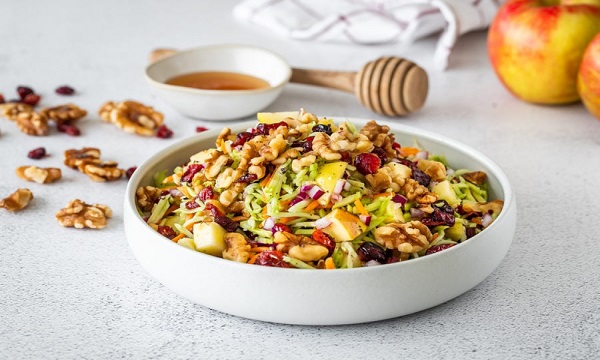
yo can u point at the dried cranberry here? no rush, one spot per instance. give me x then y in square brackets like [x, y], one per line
[191, 170]
[368, 251]
[265, 129]
[443, 214]
[24, 91]
[273, 258]
[279, 227]
[129, 172]
[32, 99]
[221, 218]
[471, 231]
[381, 154]
[37, 153]
[325, 240]
[346, 157]
[367, 163]
[68, 129]
[322, 128]
[247, 178]
[192, 204]
[206, 194]
[241, 138]
[2, 101]
[166, 231]
[396, 146]
[305, 144]
[438, 248]
[200, 129]
[65, 90]
[164, 132]
[418, 175]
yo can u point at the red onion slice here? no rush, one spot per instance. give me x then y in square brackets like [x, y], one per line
[486, 220]
[315, 192]
[269, 223]
[399, 199]
[339, 186]
[366, 219]
[322, 223]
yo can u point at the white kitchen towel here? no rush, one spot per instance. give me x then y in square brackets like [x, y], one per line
[371, 21]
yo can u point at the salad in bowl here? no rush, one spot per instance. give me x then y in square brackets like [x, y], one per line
[302, 191]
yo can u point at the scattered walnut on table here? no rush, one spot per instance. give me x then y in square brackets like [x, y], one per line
[79, 215]
[32, 123]
[12, 110]
[68, 113]
[17, 200]
[410, 237]
[87, 160]
[132, 117]
[39, 175]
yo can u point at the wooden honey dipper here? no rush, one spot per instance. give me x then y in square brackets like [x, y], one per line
[391, 86]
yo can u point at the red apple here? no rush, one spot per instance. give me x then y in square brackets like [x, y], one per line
[588, 81]
[536, 46]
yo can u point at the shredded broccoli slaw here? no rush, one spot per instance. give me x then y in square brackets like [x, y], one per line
[303, 192]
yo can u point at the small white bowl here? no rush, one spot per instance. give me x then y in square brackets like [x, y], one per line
[219, 104]
[323, 297]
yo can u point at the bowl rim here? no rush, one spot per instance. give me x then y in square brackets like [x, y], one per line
[187, 52]
[163, 154]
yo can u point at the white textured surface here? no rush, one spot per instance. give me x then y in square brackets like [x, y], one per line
[69, 294]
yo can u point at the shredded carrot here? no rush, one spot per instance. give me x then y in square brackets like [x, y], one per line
[407, 151]
[253, 259]
[434, 236]
[266, 180]
[329, 264]
[190, 226]
[286, 220]
[313, 205]
[360, 207]
[178, 237]
[264, 210]
[383, 194]
[168, 179]
[171, 209]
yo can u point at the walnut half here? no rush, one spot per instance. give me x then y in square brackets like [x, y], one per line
[80, 215]
[17, 200]
[409, 237]
[39, 175]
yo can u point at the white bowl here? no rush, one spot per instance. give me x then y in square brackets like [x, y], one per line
[219, 104]
[323, 297]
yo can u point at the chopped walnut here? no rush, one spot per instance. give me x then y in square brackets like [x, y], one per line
[227, 197]
[301, 163]
[299, 246]
[417, 192]
[87, 161]
[274, 148]
[379, 181]
[235, 207]
[346, 140]
[237, 249]
[475, 177]
[32, 123]
[435, 169]
[212, 169]
[39, 175]
[146, 197]
[408, 237]
[494, 206]
[324, 147]
[288, 154]
[68, 113]
[17, 200]
[132, 116]
[222, 139]
[12, 110]
[74, 158]
[380, 136]
[80, 215]
[102, 171]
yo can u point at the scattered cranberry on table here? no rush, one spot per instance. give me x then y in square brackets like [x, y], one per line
[37, 153]
[164, 132]
[31, 99]
[129, 172]
[65, 90]
[200, 129]
[23, 91]
[69, 129]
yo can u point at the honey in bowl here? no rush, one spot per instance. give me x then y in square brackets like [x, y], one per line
[218, 80]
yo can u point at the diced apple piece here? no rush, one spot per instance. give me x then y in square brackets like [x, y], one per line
[445, 192]
[457, 232]
[209, 238]
[328, 176]
[275, 117]
[344, 226]
[187, 242]
[397, 214]
[399, 170]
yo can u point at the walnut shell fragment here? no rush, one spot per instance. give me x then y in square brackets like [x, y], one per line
[17, 200]
[79, 215]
